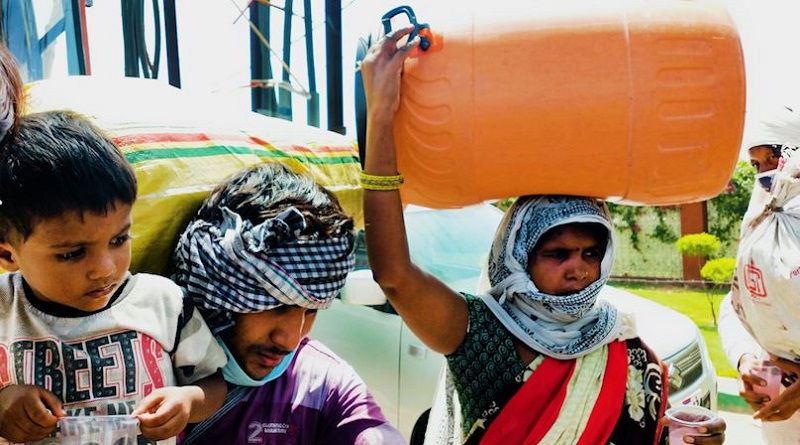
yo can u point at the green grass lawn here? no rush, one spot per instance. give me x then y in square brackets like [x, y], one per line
[695, 305]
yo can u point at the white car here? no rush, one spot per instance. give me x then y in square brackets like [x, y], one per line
[363, 328]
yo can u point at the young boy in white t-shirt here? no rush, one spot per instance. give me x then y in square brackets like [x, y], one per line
[79, 334]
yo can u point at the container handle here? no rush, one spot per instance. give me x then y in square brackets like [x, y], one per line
[421, 29]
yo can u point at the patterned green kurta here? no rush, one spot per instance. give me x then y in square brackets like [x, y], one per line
[486, 366]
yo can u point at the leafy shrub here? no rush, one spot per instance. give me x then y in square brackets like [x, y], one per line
[719, 270]
[698, 244]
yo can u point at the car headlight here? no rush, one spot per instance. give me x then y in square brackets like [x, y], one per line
[684, 368]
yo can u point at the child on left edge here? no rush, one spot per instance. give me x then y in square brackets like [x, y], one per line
[79, 334]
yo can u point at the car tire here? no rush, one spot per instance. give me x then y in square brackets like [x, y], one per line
[418, 433]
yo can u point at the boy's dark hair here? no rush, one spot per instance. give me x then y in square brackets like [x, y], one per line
[265, 190]
[56, 163]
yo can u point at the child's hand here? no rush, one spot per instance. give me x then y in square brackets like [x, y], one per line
[165, 412]
[28, 413]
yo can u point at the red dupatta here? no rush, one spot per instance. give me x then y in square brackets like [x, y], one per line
[533, 410]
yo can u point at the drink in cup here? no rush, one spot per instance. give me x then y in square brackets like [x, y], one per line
[772, 375]
[685, 419]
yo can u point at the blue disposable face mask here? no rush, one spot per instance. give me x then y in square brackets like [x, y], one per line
[765, 179]
[233, 373]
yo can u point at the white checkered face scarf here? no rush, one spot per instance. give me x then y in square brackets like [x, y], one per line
[563, 327]
[234, 267]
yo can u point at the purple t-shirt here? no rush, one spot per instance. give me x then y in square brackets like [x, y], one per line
[318, 400]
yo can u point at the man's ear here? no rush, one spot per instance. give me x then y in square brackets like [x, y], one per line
[7, 257]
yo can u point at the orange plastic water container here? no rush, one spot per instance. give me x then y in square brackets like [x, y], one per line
[640, 102]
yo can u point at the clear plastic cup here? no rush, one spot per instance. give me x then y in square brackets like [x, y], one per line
[685, 419]
[772, 375]
[98, 430]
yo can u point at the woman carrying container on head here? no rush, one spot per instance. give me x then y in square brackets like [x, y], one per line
[536, 359]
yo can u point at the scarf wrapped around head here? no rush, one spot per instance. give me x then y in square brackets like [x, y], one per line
[779, 125]
[231, 266]
[566, 326]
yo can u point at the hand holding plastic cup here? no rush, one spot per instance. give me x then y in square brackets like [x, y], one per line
[772, 375]
[100, 430]
[685, 419]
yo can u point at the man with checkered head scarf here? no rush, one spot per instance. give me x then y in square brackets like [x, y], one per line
[267, 250]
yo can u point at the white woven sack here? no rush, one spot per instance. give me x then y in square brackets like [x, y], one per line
[766, 287]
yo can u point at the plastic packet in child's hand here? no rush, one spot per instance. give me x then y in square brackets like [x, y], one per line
[91, 430]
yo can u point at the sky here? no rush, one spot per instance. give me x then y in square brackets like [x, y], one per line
[770, 40]
[214, 47]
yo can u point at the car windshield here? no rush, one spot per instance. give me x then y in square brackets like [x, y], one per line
[452, 244]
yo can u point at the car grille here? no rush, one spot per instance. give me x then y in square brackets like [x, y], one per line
[685, 368]
[705, 400]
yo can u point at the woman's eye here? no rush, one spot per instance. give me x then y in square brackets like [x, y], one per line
[73, 255]
[593, 253]
[555, 254]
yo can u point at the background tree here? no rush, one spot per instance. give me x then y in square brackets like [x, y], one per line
[705, 245]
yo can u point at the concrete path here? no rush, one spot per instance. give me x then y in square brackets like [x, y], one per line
[742, 429]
